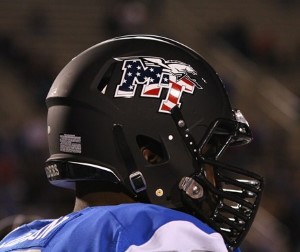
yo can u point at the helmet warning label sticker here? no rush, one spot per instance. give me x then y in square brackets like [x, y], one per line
[156, 74]
[70, 143]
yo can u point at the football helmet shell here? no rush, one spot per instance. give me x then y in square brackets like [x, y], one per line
[143, 90]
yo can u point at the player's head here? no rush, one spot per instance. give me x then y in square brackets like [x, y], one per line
[150, 115]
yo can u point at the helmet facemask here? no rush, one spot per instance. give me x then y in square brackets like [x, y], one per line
[224, 196]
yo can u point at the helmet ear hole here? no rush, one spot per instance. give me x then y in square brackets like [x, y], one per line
[151, 149]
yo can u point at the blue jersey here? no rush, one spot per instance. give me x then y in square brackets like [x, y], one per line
[126, 227]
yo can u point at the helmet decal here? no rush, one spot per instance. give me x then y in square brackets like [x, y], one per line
[155, 74]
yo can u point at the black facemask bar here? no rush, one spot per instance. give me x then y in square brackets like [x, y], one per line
[228, 205]
[224, 133]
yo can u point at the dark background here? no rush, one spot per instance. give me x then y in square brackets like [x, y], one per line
[254, 45]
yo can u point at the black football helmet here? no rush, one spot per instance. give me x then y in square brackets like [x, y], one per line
[137, 91]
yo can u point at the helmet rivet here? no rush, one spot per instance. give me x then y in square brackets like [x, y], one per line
[242, 130]
[170, 137]
[159, 192]
[181, 123]
[196, 190]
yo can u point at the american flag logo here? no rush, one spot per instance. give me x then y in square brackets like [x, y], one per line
[155, 74]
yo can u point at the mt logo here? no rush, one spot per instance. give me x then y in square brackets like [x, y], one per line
[155, 74]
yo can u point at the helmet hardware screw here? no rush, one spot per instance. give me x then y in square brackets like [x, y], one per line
[196, 190]
[181, 123]
[159, 192]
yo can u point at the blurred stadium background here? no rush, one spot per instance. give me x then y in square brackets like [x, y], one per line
[254, 45]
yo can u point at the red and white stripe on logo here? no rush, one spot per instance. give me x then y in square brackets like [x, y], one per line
[176, 88]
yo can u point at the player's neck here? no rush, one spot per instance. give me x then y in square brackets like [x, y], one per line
[101, 199]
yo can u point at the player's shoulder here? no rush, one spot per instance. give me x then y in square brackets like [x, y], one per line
[165, 229]
[136, 216]
[115, 226]
[154, 214]
[142, 227]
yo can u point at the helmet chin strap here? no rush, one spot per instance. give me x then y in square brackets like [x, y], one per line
[135, 181]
